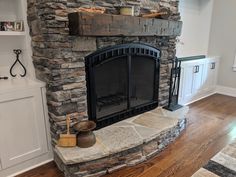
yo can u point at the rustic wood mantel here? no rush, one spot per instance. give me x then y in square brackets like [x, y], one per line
[91, 24]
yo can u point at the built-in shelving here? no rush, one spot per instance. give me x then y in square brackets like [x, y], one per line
[23, 111]
[15, 11]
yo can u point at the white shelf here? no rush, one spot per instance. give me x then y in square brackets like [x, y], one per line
[12, 33]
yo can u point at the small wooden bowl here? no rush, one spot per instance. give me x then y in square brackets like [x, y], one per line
[85, 126]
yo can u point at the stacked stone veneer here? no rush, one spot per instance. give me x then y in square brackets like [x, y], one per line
[114, 162]
[59, 58]
[124, 148]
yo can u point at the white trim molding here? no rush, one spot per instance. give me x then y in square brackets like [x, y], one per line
[226, 90]
[30, 168]
[200, 98]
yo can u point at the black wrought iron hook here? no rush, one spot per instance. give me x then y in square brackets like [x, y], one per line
[17, 52]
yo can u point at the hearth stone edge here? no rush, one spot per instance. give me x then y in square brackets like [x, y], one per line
[166, 127]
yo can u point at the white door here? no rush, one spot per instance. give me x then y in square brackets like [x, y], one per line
[22, 127]
[210, 75]
[187, 83]
[191, 80]
[198, 77]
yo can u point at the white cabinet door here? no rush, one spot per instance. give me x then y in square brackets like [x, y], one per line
[210, 79]
[192, 80]
[22, 127]
[186, 85]
[198, 77]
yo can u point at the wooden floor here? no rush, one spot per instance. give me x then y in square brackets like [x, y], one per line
[211, 126]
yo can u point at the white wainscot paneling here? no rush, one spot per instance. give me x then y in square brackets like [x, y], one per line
[22, 127]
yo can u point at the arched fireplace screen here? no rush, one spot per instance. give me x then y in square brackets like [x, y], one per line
[122, 81]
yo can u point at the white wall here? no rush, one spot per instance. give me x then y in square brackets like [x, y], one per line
[196, 16]
[223, 40]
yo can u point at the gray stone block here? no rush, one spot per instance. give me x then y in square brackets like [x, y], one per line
[84, 44]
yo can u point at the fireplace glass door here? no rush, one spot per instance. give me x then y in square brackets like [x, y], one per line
[111, 86]
[142, 80]
[122, 81]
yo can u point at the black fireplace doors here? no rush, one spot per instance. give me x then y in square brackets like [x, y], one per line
[122, 81]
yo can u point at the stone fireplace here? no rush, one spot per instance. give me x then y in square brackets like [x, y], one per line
[103, 76]
[59, 58]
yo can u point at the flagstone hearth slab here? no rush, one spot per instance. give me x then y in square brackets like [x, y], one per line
[71, 156]
[179, 114]
[146, 133]
[117, 139]
[126, 135]
[157, 122]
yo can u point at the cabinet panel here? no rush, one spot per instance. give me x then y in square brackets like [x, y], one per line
[210, 78]
[22, 124]
[192, 80]
[198, 74]
[198, 79]
[188, 82]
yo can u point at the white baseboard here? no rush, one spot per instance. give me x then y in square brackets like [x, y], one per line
[200, 98]
[226, 90]
[30, 168]
[26, 165]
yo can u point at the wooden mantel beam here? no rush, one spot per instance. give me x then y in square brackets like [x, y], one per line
[92, 24]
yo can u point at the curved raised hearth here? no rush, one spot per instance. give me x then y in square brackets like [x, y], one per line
[126, 143]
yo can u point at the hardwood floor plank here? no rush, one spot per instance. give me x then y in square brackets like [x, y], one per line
[47, 170]
[211, 126]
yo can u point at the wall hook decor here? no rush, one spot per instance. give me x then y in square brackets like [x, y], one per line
[17, 52]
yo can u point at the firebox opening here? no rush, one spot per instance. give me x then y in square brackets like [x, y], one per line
[122, 81]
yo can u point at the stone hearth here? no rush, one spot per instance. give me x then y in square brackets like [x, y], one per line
[125, 143]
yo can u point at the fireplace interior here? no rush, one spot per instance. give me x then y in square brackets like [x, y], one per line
[122, 81]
